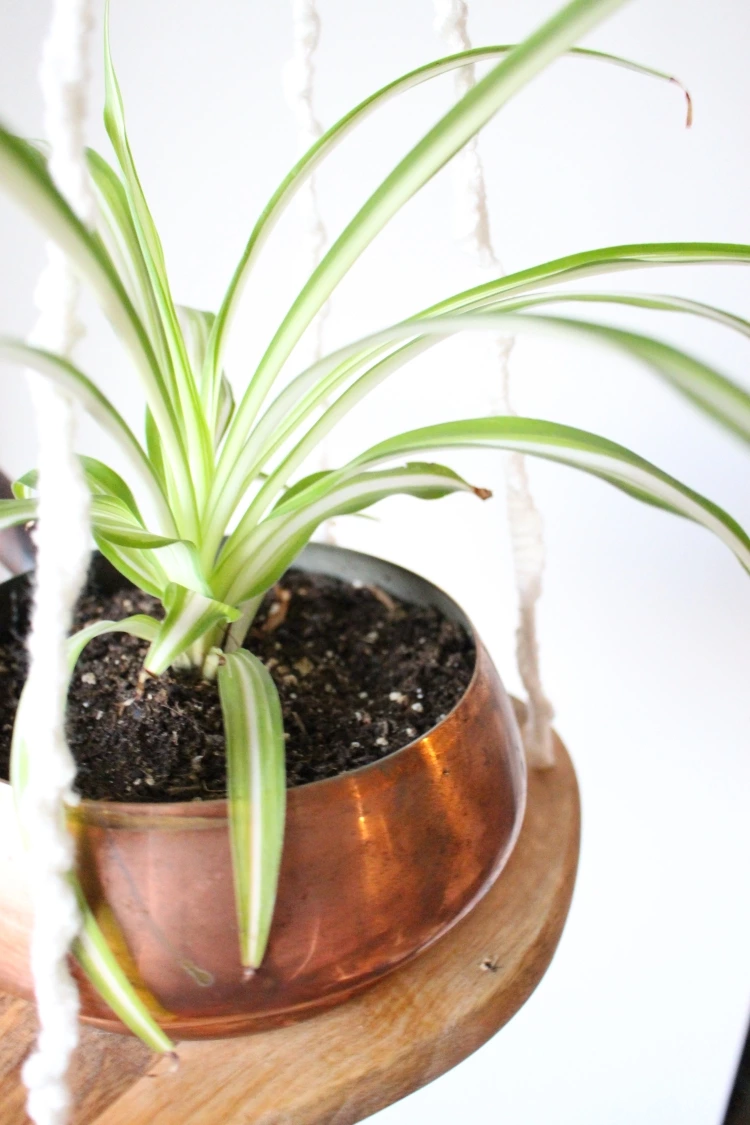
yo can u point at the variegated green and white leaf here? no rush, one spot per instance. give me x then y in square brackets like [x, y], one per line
[14, 513]
[117, 231]
[177, 562]
[427, 157]
[261, 560]
[709, 389]
[104, 481]
[25, 487]
[196, 325]
[190, 616]
[317, 382]
[304, 394]
[123, 538]
[139, 625]
[112, 519]
[25, 180]
[142, 568]
[659, 302]
[593, 263]
[318, 152]
[214, 387]
[715, 394]
[256, 783]
[98, 406]
[224, 409]
[578, 449]
[102, 969]
[190, 410]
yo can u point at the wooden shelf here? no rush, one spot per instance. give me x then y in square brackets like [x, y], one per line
[349, 1062]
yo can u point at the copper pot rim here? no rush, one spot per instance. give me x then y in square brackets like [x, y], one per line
[91, 810]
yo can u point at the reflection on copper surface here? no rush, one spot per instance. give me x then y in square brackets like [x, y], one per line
[311, 950]
[431, 755]
[201, 976]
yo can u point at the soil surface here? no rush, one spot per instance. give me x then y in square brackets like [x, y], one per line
[359, 673]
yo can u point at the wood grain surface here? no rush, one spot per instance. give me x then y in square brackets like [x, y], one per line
[345, 1064]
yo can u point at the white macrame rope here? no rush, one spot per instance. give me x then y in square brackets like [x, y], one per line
[62, 539]
[299, 86]
[526, 529]
[299, 83]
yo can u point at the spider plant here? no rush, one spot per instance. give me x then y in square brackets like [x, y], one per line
[216, 508]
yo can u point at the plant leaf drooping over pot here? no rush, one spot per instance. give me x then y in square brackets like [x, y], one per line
[167, 529]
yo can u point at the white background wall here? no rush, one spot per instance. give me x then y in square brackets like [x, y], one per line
[645, 618]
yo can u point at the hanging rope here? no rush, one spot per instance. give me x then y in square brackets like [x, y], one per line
[62, 538]
[526, 530]
[299, 82]
[299, 79]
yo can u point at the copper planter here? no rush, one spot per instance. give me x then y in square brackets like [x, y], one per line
[378, 863]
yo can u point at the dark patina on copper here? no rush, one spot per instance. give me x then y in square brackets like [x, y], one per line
[378, 863]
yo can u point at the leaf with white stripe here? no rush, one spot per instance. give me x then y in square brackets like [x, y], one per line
[66, 375]
[100, 478]
[578, 449]
[713, 392]
[26, 181]
[103, 970]
[142, 568]
[431, 153]
[592, 263]
[187, 405]
[256, 783]
[116, 229]
[190, 616]
[112, 519]
[255, 564]
[321, 149]
[13, 513]
[177, 560]
[196, 325]
[104, 481]
[214, 388]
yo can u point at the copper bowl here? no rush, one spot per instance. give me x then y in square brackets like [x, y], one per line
[378, 863]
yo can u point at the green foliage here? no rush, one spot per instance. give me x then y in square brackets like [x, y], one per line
[207, 463]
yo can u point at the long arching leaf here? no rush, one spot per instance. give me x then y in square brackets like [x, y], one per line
[117, 232]
[314, 385]
[426, 158]
[24, 179]
[711, 391]
[275, 543]
[188, 405]
[576, 448]
[594, 263]
[317, 153]
[66, 375]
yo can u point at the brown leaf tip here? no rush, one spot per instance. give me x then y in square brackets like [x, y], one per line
[688, 99]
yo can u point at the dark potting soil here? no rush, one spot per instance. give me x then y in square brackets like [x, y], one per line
[359, 673]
